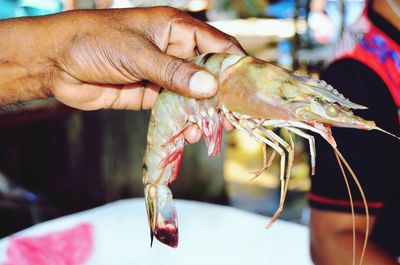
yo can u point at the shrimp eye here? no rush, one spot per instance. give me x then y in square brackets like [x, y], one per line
[331, 111]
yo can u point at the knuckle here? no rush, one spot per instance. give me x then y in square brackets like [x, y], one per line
[171, 17]
[176, 16]
[174, 74]
[170, 12]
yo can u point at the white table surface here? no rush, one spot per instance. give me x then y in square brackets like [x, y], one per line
[209, 234]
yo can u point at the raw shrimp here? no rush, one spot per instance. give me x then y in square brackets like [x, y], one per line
[254, 96]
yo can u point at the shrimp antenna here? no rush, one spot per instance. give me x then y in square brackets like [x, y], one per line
[382, 130]
[351, 205]
[341, 159]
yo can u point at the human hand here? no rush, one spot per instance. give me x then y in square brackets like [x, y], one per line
[93, 59]
[107, 68]
[119, 58]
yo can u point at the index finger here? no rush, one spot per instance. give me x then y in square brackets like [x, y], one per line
[210, 39]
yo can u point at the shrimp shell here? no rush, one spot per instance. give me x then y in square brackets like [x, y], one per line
[256, 97]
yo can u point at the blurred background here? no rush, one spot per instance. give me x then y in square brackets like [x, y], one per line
[56, 160]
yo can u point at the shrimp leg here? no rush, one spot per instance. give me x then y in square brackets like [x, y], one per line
[262, 139]
[266, 162]
[311, 142]
[265, 138]
[290, 150]
[284, 186]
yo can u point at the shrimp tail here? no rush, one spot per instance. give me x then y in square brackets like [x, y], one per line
[160, 207]
[161, 214]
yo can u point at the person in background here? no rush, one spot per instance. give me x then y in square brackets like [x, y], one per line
[366, 68]
[118, 59]
[320, 23]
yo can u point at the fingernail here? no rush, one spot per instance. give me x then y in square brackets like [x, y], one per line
[203, 83]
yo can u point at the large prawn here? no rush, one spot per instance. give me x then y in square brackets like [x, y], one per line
[254, 96]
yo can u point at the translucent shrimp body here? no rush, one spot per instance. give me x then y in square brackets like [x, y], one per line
[169, 118]
[162, 161]
[255, 96]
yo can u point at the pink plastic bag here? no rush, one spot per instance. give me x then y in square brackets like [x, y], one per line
[70, 247]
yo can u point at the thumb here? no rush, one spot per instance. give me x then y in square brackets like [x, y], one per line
[181, 77]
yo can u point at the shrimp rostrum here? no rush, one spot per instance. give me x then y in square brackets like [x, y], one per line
[254, 96]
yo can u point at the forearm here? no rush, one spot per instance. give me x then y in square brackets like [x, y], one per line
[337, 248]
[27, 48]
